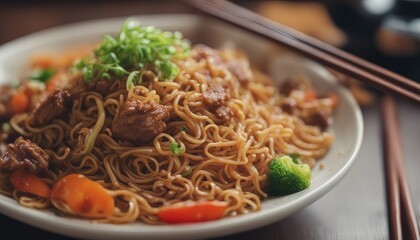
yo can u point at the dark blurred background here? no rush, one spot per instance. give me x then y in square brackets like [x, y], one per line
[386, 32]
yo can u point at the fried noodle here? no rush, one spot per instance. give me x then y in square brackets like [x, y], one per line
[222, 159]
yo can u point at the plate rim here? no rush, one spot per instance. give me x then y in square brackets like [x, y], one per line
[47, 222]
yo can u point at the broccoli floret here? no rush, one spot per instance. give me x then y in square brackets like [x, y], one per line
[287, 175]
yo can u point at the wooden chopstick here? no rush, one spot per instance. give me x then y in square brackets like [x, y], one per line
[359, 62]
[400, 208]
[305, 45]
[392, 186]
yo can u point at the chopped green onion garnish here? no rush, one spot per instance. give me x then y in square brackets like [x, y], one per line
[186, 172]
[134, 49]
[175, 148]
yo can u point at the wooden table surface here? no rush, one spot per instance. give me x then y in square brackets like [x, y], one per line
[355, 209]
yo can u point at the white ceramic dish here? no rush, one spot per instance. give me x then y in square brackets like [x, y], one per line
[348, 126]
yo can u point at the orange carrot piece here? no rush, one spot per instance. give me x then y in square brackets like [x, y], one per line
[52, 84]
[310, 95]
[334, 98]
[83, 196]
[42, 61]
[19, 103]
[24, 181]
[192, 212]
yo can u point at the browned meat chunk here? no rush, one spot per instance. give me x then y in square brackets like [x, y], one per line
[24, 154]
[215, 99]
[224, 113]
[202, 51]
[140, 122]
[288, 105]
[102, 86]
[240, 69]
[215, 96]
[52, 107]
[292, 84]
[6, 93]
[319, 119]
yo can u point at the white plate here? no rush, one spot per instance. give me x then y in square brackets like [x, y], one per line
[348, 126]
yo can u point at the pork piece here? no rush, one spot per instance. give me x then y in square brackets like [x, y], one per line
[102, 86]
[202, 51]
[215, 99]
[224, 113]
[140, 122]
[6, 93]
[241, 69]
[317, 118]
[215, 96]
[293, 84]
[24, 154]
[238, 64]
[52, 107]
[288, 105]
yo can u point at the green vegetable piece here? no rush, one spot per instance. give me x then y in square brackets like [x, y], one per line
[6, 127]
[175, 148]
[296, 158]
[133, 79]
[134, 49]
[286, 177]
[187, 172]
[42, 75]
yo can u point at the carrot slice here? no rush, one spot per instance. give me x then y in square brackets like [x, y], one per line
[310, 95]
[192, 212]
[42, 61]
[24, 181]
[83, 196]
[19, 103]
[334, 98]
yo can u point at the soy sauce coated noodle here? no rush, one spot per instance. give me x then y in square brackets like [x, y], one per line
[225, 152]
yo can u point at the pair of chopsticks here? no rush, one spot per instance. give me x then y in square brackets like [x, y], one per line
[326, 54]
[401, 211]
[401, 214]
